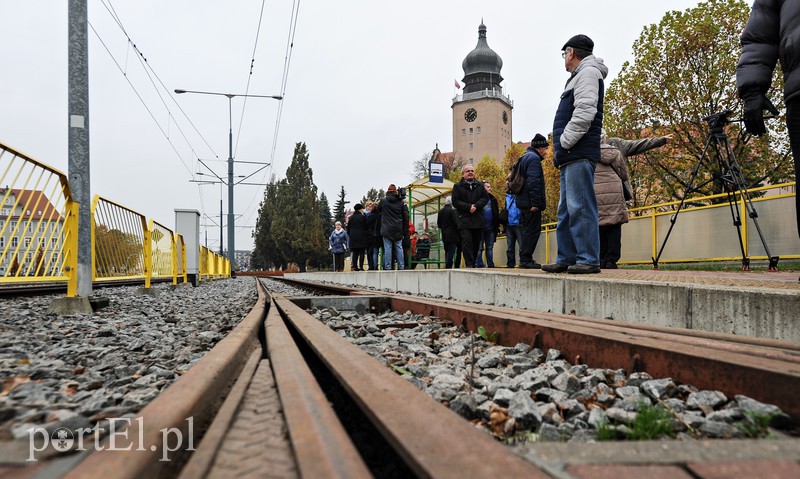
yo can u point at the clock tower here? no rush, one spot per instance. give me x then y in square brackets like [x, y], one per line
[482, 114]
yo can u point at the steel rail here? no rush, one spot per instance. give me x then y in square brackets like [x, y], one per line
[321, 445]
[766, 370]
[196, 395]
[432, 440]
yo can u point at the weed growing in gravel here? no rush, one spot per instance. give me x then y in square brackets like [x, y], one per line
[652, 422]
[605, 431]
[756, 424]
[492, 338]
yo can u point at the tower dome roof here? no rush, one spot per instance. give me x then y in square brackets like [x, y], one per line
[482, 59]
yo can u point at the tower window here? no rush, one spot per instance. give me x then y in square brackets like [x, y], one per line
[471, 146]
[479, 130]
[463, 132]
[470, 131]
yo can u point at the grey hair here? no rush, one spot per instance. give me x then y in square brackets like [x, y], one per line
[448, 201]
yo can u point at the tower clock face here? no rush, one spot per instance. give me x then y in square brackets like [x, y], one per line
[505, 118]
[470, 114]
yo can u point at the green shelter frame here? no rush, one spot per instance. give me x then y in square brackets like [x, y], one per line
[425, 200]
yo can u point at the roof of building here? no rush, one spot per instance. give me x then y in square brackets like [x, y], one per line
[34, 204]
[482, 59]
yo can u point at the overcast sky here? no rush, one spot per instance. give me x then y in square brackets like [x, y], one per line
[369, 87]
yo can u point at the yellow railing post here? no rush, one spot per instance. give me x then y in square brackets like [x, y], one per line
[174, 253]
[71, 248]
[743, 214]
[148, 257]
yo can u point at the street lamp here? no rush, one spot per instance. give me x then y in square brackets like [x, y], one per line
[231, 241]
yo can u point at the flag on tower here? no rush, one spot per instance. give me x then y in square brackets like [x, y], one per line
[458, 85]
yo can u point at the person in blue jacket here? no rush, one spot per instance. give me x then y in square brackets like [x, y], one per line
[576, 147]
[340, 243]
[531, 201]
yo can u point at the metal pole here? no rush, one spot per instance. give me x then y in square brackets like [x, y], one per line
[231, 242]
[78, 156]
[221, 251]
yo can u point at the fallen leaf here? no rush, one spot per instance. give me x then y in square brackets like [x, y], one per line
[10, 383]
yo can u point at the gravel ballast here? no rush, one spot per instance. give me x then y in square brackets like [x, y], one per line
[73, 371]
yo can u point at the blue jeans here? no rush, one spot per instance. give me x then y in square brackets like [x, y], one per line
[393, 247]
[487, 244]
[372, 257]
[512, 238]
[578, 232]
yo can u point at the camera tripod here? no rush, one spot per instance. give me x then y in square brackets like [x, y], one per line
[733, 181]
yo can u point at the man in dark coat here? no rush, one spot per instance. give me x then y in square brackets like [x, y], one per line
[394, 224]
[359, 237]
[447, 220]
[771, 34]
[469, 198]
[491, 216]
[531, 201]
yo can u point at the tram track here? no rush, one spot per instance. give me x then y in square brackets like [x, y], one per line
[347, 415]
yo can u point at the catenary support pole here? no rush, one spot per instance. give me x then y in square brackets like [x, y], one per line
[78, 156]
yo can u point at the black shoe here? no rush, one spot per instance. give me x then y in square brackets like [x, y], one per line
[583, 269]
[555, 268]
[512, 266]
[611, 266]
[532, 265]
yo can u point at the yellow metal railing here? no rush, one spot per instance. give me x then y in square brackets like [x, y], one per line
[36, 213]
[703, 230]
[121, 240]
[39, 233]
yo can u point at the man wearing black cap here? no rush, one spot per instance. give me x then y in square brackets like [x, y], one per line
[531, 201]
[576, 146]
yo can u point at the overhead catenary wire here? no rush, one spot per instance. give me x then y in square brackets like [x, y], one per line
[284, 81]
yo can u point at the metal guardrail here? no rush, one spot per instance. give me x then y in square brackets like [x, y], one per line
[38, 222]
[703, 230]
[39, 233]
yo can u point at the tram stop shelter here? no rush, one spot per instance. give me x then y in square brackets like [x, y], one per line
[425, 200]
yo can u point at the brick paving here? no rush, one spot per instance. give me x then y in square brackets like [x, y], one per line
[257, 443]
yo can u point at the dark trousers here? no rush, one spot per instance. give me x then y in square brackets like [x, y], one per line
[450, 249]
[338, 261]
[372, 257]
[530, 225]
[357, 262]
[512, 238]
[610, 245]
[793, 125]
[470, 240]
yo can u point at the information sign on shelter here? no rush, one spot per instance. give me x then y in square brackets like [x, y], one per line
[436, 172]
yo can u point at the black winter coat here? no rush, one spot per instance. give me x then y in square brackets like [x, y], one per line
[533, 192]
[447, 220]
[394, 217]
[771, 34]
[465, 195]
[374, 228]
[357, 229]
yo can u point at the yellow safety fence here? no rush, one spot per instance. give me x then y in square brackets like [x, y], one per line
[704, 229]
[39, 234]
[38, 222]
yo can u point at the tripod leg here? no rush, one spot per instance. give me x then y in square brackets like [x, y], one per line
[737, 180]
[687, 191]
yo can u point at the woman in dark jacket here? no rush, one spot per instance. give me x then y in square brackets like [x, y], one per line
[359, 237]
[374, 233]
